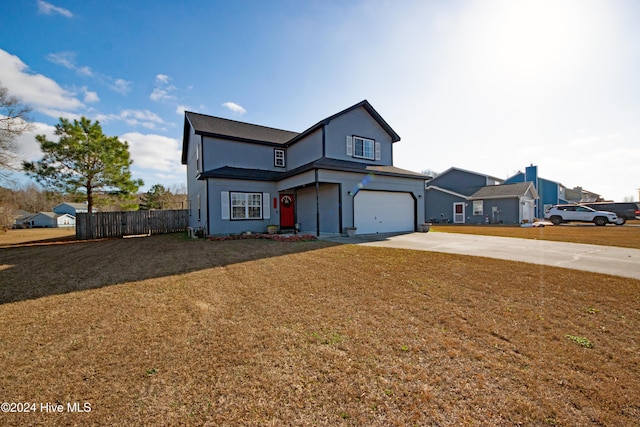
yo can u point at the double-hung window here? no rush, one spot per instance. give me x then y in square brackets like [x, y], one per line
[246, 205]
[363, 148]
[278, 158]
[478, 207]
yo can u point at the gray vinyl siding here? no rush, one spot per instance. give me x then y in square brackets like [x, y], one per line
[439, 205]
[509, 211]
[459, 181]
[196, 189]
[329, 208]
[305, 150]
[359, 123]
[218, 153]
[220, 226]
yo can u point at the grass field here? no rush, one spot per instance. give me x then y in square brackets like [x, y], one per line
[626, 236]
[170, 331]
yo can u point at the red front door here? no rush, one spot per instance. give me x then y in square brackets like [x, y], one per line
[287, 211]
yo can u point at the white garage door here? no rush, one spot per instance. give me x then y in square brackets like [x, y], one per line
[383, 212]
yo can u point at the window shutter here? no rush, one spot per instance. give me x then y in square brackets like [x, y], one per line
[349, 146]
[266, 207]
[224, 203]
[378, 151]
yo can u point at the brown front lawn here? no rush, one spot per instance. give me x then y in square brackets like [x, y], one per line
[167, 331]
[35, 236]
[627, 236]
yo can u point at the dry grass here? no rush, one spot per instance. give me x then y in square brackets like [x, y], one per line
[35, 235]
[164, 331]
[627, 236]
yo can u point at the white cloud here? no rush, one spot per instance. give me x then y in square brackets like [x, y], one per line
[162, 90]
[144, 118]
[121, 86]
[160, 95]
[41, 92]
[90, 96]
[154, 152]
[235, 108]
[29, 148]
[68, 60]
[180, 109]
[162, 79]
[49, 9]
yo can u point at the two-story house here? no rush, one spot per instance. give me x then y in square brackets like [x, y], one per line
[461, 196]
[337, 174]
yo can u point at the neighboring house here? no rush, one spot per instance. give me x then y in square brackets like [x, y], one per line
[464, 197]
[70, 208]
[47, 220]
[337, 174]
[551, 192]
[580, 195]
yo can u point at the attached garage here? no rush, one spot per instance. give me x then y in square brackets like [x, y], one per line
[384, 212]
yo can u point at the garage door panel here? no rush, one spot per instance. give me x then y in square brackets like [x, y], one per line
[383, 212]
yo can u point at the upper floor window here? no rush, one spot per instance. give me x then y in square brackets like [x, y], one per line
[363, 148]
[278, 158]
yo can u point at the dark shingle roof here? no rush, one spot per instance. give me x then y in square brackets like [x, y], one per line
[247, 132]
[209, 125]
[324, 163]
[504, 190]
[242, 173]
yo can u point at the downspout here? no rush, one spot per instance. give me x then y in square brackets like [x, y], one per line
[207, 223]
[317, 203]
[339, 207]
[324, 141]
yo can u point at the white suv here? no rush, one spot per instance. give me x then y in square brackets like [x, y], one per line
[568, 213]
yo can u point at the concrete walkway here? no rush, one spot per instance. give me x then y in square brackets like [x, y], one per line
[598, 259]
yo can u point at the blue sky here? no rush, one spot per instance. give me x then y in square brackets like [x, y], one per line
[488, 85]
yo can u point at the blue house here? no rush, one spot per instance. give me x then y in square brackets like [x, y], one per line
[464, 197]
[337, 174]
[551, 192]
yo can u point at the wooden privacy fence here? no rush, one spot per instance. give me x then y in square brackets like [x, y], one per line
[118, 224]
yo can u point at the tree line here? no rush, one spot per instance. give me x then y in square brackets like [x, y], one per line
[81, 165]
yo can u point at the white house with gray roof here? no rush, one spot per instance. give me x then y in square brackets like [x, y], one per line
[335, 175]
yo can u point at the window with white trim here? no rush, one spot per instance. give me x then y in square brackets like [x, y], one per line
[363, 148]
[278, 158]
[246, 205]
[478, 207]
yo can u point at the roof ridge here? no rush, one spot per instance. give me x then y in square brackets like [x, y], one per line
[241, 122]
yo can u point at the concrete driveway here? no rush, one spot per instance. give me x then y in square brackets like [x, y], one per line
[598, 259]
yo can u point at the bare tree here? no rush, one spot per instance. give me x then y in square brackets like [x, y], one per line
[14, 121]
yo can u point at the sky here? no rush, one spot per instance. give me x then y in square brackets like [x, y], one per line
[490, 86]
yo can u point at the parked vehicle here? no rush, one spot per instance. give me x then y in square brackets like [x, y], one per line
[558, 214]
[624, 210]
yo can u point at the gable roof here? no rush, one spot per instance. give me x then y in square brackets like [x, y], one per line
[364, 104]
[484, 175]
[247, 132]
[75, 206]
[505, 191]
[502, 191]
